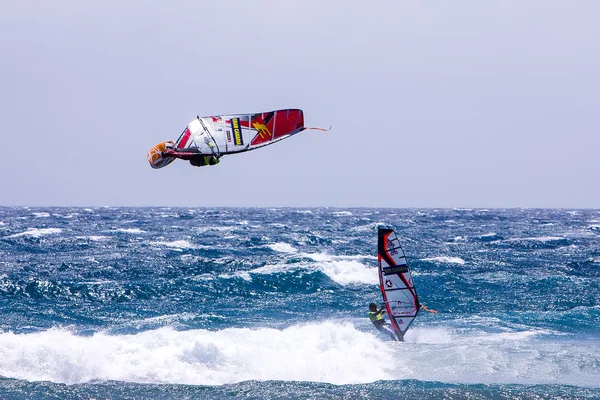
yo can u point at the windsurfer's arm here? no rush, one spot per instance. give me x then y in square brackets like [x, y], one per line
[428, 310]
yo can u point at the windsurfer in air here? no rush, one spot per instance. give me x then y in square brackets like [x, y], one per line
[206, 139]
[376, 317]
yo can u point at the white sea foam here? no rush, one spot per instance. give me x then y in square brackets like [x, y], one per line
[264, 270]
[334, 352]
[203, 277]
[331, 257]
[167, 319]
[41, 214]
[537, 239]
[67, 216]
[546, 238]
[177, 244]
[488, 235]
[445, 259]
[341, 214]
[130, 230]
[204, 229]
[37, 232]
[274, 268]
[367, 228]
[282, 247]
[347, 272]
[429, 335]
[95, 238]
[278, 225]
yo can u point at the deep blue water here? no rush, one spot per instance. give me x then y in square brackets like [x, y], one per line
[272, 303]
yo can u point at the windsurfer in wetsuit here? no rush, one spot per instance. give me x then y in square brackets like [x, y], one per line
[376, 317]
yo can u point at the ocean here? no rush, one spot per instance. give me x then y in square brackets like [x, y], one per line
[272, 303]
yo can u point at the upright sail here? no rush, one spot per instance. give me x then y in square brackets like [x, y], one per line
[395, 282]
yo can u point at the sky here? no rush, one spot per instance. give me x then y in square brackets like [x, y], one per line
[469, 104]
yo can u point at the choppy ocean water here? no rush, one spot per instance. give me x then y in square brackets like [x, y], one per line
[272, 303]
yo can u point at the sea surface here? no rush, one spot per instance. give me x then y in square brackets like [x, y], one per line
[272, 303]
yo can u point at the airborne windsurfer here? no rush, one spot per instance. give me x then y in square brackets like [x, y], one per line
[376, 317]
[206, 139]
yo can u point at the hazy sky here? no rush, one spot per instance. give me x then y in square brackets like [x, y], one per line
[433, 103]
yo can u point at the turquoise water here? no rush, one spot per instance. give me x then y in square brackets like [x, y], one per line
[272, 303]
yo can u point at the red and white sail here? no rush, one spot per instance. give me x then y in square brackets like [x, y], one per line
[395, 281]
[219, 135]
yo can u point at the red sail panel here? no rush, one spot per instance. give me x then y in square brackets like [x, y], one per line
[275, 125]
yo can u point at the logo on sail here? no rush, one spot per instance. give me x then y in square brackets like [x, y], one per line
[238, 140]
[397, 269]
[262, 130]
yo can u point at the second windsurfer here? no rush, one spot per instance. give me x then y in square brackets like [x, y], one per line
[376, 317]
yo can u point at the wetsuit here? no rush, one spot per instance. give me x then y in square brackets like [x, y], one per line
[200, 161]
[377, 320]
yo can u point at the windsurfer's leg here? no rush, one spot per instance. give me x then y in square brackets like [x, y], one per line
[198, 161]
[386, 329]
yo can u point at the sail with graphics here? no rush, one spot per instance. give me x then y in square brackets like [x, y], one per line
[396, 283]
[206, 139]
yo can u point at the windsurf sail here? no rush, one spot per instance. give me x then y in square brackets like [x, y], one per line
[396, 283]
[218, 135]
